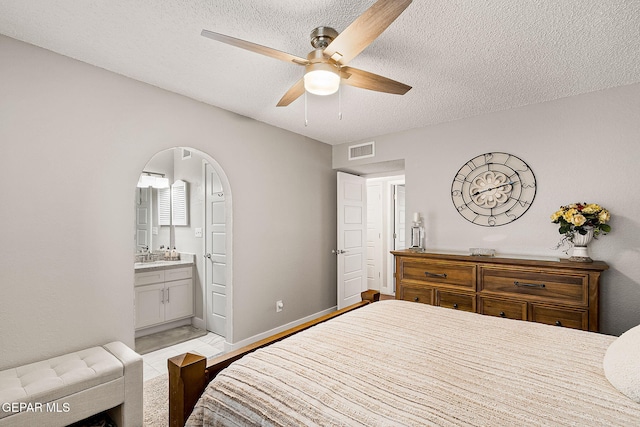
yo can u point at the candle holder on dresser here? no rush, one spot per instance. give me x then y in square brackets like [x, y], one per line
[417, 233]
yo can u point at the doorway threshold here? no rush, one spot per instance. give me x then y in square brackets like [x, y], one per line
[153, 342]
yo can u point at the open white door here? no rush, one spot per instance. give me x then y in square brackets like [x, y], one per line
[399, 227]
[216, 253]
[143, 219]
[352, 238]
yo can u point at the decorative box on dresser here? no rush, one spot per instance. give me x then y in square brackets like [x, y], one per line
[557, 292]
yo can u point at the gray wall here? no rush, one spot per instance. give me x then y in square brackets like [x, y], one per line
[581, 149]
[74, 140]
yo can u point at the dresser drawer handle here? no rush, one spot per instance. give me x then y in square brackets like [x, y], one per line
[416, 299]
[502, 314]
[529, 285]
[429, 274]
[558, 323]
[455, 305]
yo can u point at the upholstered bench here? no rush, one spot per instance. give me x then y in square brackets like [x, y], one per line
[74, 386]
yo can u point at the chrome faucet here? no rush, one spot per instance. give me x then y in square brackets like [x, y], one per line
[145, 252]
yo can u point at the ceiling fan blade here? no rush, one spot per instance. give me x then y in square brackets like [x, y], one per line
[292, 94]
[253, 47]
[366, 80]
[365, 29]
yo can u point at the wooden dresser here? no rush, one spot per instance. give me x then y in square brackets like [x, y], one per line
[561, 293]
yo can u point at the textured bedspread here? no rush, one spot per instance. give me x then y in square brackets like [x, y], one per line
[396, 363]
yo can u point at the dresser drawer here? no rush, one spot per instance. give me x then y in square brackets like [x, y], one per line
[541, 285]
[415, 294]
[442, 273]
[546, 291]
[576, 319]
[502, 308]
[455, 300]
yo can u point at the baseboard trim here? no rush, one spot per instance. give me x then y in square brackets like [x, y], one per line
[198, 323]
[234, 346]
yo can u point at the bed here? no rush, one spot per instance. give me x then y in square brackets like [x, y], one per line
[401, 363]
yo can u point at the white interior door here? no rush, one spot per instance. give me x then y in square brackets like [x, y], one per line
[352, 238]
[216, 253]
[143, 218]
[399, 241]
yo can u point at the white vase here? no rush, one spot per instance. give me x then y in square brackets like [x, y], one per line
[580, 252]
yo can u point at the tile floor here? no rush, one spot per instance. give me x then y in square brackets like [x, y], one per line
[155, 363]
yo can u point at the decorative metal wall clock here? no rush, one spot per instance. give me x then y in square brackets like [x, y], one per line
[493, 189]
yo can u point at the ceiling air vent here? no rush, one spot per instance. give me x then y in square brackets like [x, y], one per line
[362, 151]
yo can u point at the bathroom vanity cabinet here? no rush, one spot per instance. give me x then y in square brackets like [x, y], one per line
[163, 295]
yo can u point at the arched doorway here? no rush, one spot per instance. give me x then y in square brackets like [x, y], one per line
[203, 232]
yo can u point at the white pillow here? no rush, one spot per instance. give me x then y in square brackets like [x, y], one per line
[622, 363]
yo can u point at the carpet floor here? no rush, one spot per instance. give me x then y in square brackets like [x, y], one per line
[156, 401]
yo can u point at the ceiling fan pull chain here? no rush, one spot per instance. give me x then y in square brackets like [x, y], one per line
[340, 102]
[306, 119]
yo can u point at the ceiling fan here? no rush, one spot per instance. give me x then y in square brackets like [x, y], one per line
[326, 65]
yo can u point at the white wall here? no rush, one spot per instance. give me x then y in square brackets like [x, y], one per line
[581, 149]
[74, 140]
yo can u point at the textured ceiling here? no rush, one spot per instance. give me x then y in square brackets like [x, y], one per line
[463, 58]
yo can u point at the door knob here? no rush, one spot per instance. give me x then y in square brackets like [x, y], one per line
[337, 252]
[208, 255]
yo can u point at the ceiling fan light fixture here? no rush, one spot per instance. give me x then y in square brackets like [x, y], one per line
[321, 79]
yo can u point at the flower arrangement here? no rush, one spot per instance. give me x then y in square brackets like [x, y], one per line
[580, 218]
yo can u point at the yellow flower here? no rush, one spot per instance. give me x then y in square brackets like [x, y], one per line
[568, 215]
[578, 220]
[592, 208]
[556, 215]
[604, 216]
[580, 217]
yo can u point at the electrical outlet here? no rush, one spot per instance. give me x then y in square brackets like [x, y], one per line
[279, 306]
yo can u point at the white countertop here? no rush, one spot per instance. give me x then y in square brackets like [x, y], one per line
[184, 261]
